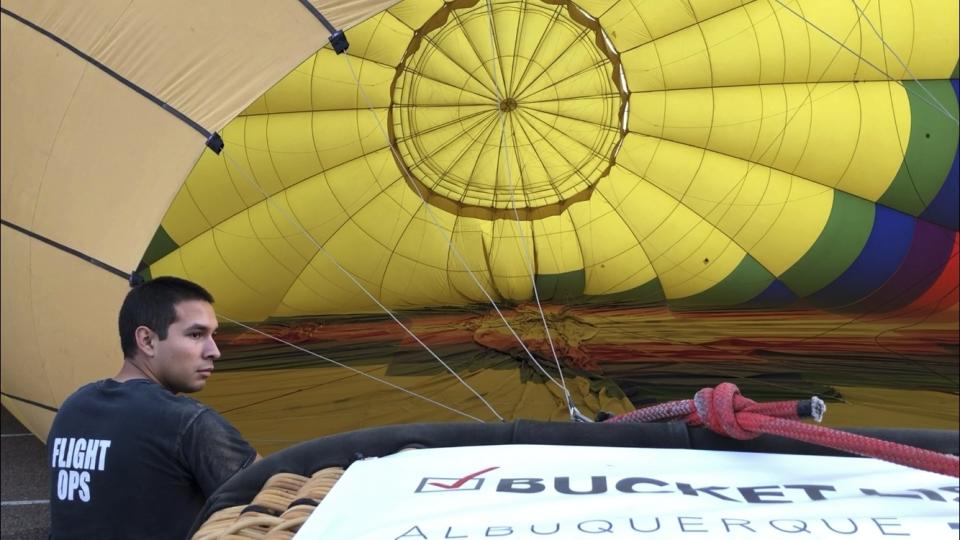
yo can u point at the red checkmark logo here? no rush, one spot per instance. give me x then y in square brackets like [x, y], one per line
[461, 481]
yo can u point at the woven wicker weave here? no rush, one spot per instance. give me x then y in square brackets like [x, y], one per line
[284, 503]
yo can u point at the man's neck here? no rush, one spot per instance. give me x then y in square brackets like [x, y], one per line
[131, 371]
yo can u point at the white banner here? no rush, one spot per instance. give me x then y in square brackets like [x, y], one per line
[527, 491]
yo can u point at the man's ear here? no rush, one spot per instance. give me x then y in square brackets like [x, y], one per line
[146, 340]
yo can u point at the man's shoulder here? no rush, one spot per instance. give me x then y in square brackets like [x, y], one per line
[84, 393]
[159, 396]
[134, 395]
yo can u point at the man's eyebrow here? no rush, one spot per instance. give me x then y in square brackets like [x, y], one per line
[197, 326]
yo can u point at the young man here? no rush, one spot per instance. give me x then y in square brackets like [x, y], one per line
[131, 456]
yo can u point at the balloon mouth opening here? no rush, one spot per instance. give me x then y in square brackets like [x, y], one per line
[459, 135]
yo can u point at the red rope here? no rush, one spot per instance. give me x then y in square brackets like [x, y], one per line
[724, 411]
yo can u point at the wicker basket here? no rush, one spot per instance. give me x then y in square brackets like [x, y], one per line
[283, 504]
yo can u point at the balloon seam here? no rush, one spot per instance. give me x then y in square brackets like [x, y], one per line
[67, 249]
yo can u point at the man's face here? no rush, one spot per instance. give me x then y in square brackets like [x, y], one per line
[184, 360]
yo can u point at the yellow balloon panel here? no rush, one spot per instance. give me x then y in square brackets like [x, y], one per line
[576, 142]
[268, 231]
[342, 136]
[746, 202]
[601, 232]
[408, 283]
[634, 272]
[526, 62]
[612, 258]
[670, 166]
[292, 93]
[317, 210]
[884, 131]
[731, 43]
[774, 216]
[291, 147]
[281, 237]
[325, 82]
[188, 214]
[217, 261]
[770, 41]
[387, 216]
[508, 27]
[264, 154]
[850, 136]
[798, 224]
[454, 153]
[590, 110]
[511, 259]
[557, 245]
[630, 23]
[586, 74]
[686, 252]
[445, 80]
[362, 255]
[414, 13]
[693, 255]
[355, 183]
[875, 30]
[375, 39]
[470, 240]
[624, 271]
[643, 206]
[253, 171]
[323, 288]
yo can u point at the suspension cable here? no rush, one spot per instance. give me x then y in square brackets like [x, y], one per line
[903, 64]
[525, 254]
[935, 104]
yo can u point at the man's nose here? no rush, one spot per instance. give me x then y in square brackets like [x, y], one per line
[211, 351]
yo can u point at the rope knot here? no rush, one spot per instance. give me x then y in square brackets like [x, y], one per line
[718, 408]
[723, 410]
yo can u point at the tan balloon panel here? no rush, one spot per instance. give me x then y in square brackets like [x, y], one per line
[209, 60]
[82, 170]
[35, 419]
[60, 312]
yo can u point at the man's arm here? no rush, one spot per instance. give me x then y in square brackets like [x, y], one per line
[214, 450]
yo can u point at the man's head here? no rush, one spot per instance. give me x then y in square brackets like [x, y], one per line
[166, 330]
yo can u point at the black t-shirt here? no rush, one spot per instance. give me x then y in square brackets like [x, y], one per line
[133, 460]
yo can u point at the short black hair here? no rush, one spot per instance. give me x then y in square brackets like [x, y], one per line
[153, 304]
